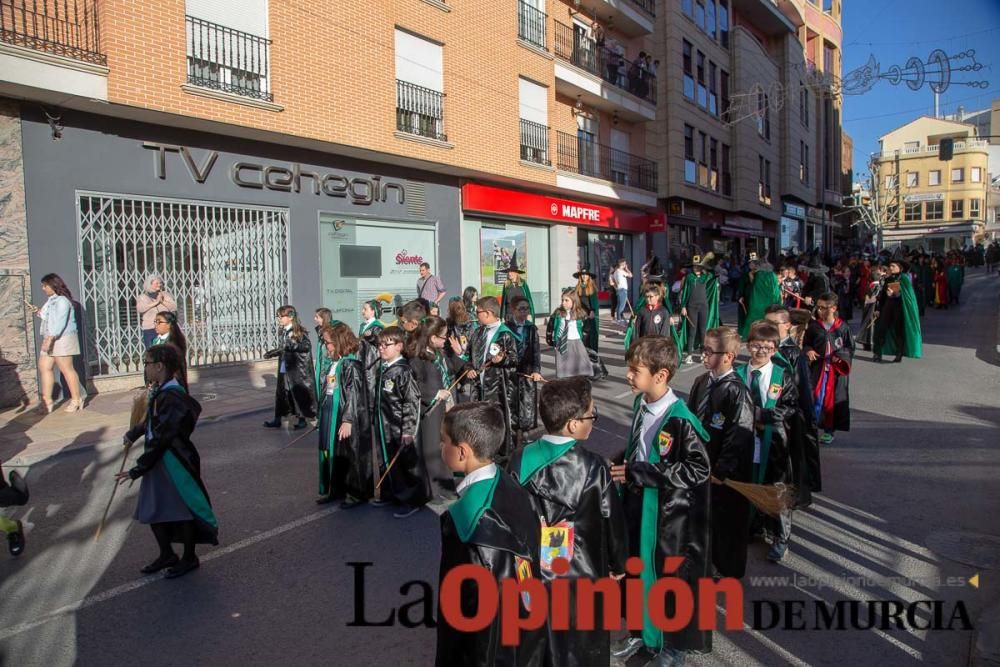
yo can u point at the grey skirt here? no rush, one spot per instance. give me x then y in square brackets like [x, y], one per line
[574, 362]
[159, 499]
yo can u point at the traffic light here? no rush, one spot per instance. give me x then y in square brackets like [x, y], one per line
[946, 148]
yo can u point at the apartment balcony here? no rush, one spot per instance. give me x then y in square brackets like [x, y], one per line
[419, 111]
[768, 16]
[50, 49]
[582, 163]
[229, 61]
[535, 143]
[633, 18]
[970, 145]
[601, 78]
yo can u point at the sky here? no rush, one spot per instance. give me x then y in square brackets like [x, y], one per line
[896, 30]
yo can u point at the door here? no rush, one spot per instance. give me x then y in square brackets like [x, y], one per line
[587, 148]
[620, 168]
[584, 51]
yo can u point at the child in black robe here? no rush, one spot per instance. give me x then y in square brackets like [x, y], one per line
[492, 525]
[398, 404]
[830, 348]
[582, 516]
[295, 393]
[345, 466]
[723, 404]
[529, 369]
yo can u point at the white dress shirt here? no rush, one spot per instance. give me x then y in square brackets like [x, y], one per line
[478, 475]
[491, 331]
[652, 417]
[572, 333]
[556, 439]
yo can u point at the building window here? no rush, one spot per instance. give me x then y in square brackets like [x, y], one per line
[804, 104]
[934, 177]
[829, 58]
[687, 7]
[702, 159]
[713, 165]
[710, 18]
[890, 181]
[912, 212]
[699, 13]
[531, 24]
[727, 177]
[534, 110]
[911, 146]
[764, 182]
[912, 179]
[974, 211]
[222, 58]
[958, 175]
[803, 162]
[688, 71]
[763, 115]
[713, 96]
[724, 93]
[689, 166]
[724, 23]
[419, 86]
[957, 209]
[976, 174]
[934, 210]
[702, 90]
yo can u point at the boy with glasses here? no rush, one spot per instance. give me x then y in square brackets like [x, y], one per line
[721, 400]
[397, 405]
[582, 517]
[830, 348]
[775, 397]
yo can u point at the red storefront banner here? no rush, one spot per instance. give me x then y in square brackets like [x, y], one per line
[517, 204]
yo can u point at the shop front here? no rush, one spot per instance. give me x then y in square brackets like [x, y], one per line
[792, 227]
[753, 234]
[932, 238]
[235, 229]
[549, 237]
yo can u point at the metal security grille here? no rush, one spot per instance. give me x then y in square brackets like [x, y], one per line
[225, 265]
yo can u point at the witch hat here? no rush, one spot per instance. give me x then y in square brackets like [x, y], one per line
[513, 265]
[584, 270]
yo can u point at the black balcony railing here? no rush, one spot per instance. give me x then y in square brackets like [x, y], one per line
[419, 110]
[534, 142]
[228, 60]
[63, 27]
[581, 155]
[531, 24]
[649, 6]
[573, 45]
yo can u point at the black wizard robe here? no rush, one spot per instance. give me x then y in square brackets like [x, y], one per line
[497, 381]
[398, 403]
[345, 466]
[583, 521]
[368, 354]
[433, 375]
[296, 391]
[529, 361]
[866, 335]
[772, 462]
[804, 435]
[171, 417]
[667, 514]
[830, 373]
[494, 526]
[725, 409]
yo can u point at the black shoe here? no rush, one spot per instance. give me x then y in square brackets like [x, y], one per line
[877, 359]
[16, 541]
[868, 348]
[274, 423]
[183, 567]
[898, 359]
[160, 563]
[323, 500]
[405, 512]
[300, 424]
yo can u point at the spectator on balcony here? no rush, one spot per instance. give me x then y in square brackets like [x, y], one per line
[154, 298]
[429, 287]
[599, 36]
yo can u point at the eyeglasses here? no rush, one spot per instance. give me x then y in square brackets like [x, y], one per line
[705, 352]
[592, 417]
[160, 322]
[760, 348]
[383, 345]
[480, 312]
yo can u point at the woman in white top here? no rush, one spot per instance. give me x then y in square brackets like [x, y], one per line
[154, 299]
[59, 342]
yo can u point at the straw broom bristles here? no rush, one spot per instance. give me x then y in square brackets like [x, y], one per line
[771, 499]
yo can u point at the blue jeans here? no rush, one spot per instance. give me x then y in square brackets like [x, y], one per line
[622, 301]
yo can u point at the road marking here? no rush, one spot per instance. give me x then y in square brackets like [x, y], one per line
[624, 394]
[118, 591]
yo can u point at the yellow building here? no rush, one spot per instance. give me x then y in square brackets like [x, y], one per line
[939, 204]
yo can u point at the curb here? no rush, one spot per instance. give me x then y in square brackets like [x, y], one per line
[27, 458]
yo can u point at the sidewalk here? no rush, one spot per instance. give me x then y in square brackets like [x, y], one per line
[27, 437]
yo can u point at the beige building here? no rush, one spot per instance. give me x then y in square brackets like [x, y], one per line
[939, 204]
[750, 137]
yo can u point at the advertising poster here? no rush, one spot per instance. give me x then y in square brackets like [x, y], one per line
[497, 247]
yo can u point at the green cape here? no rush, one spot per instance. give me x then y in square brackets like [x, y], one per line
[912, 343]
[765, 292]
[711, 293]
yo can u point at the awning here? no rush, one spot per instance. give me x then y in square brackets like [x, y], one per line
[734, 232]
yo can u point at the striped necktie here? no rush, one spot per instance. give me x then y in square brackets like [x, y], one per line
[635, 441]
[755, 389]
[563, 342]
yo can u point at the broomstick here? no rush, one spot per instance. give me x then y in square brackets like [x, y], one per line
[309, 432]
[139, 403]
[524, 375]
[771, 499]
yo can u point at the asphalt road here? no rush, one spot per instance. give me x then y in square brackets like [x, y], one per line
[919, 465]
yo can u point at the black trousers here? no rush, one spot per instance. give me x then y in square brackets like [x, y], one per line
[698, 314]
[890, 320]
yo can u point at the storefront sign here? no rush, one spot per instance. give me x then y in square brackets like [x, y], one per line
[794, 210]
[360, 191]
[927, 196]
[745, 224]
[514, 203]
